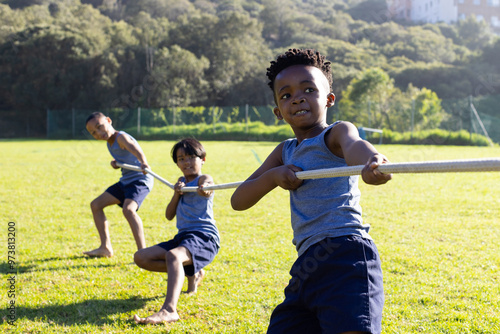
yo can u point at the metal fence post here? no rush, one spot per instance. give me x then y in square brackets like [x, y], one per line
[48, 123]
[73, 123]
[174, 110]
[213, 119]
[138, 120]
[246, 117]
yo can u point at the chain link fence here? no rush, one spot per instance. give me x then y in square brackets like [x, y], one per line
[465, 114]
[218, 123]
[163, 123]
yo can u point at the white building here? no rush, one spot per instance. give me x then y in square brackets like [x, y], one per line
[448, 11]
[433, 11]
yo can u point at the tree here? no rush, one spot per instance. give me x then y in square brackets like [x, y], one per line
[474, 34]
[179, 76]
[423, 45]
[366, 100]
[149, 31]
[487, 70]
[12, 22]
[448, 81]
[278, 18]
[414, 43]
[370, 11]
[233, 44]
[16, 4]
[50, 68]
[360, 56]
[428, 111]
[371, 100]
[108, 53]
[170, 9]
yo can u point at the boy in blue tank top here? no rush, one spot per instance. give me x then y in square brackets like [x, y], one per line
[336, 281]
[197, 241]
[129, 192]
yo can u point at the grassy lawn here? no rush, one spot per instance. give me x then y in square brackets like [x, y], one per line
[438, 236]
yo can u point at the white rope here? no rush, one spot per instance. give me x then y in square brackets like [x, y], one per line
[171, 186]
[149, 171]
[214, 187]
[443, 166]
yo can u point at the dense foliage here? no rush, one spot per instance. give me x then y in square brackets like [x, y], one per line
[165, 53]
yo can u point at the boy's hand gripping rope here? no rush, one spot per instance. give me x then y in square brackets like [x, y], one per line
[444, 166]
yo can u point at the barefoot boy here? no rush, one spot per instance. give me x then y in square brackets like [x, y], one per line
[336, 284]
[197, 241]
[129, 192]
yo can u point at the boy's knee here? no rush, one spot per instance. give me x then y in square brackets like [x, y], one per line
[127, 211]
[138, 259]
[129, 208]
[94, 205]
[171, 256]
[178, 255]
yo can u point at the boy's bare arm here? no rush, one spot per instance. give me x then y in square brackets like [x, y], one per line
[174, 201]
[126, 143]
[344, 138]
[269, 175]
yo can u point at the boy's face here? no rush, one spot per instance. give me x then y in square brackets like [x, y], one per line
[100, 128]
[302, 96]
[190, 165]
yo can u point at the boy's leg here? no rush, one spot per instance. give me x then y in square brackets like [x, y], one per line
[97, 206]
[152, 258]
[130, 212]
[175, 260]
[194, 281]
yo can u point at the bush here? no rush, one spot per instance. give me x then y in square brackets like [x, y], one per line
[258, 131]
[255, 131]
[435, 137]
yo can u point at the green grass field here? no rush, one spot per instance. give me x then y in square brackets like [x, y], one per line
[438, 236]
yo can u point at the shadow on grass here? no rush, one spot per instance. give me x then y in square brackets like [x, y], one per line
[31, 266]
[95, 312]
[6, 268]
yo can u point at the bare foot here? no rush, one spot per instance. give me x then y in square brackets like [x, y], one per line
[157, 318]
[100, 252]
[195, 281]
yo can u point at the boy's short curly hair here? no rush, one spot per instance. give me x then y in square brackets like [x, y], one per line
[292, 57]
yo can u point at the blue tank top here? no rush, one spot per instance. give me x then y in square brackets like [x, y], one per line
[326, 207]
[125, 157]
[196, 213]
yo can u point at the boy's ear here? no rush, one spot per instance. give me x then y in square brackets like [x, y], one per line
[330, 100]
[109, 120]
[277, 112]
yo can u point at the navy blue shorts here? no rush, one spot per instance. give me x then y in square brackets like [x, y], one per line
[202, 247]
[336, 287]
[136, 191]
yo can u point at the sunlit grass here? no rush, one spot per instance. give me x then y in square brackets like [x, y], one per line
[438, 236]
